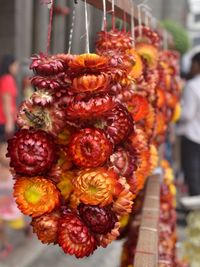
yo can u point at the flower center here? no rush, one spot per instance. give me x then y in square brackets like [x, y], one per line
[93, 189]
[33, 195]
[88, 148]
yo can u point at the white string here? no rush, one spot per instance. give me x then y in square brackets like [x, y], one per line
[149, 229]
[139, 20]
[72, 30]
[132, 24]
[113, 14]
[104, 14]
[113, 6]
[87, 29]
[147, 12]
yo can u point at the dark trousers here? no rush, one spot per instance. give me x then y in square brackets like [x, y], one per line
[190, 157]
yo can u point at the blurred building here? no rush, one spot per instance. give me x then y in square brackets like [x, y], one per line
[24, 24]
[193, 21]
[168, 9]
[24, 27]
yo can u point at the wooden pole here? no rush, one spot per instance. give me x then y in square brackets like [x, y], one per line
[147, 247]
[121, 6]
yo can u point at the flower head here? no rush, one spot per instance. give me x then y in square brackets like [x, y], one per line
[36, 196]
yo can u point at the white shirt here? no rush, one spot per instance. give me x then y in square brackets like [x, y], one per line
[190, 115]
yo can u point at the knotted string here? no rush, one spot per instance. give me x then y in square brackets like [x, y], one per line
[72, 30]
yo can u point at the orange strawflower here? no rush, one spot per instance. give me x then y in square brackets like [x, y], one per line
[88, 61]
[123, 205]
[96, 186]
[149, 53]
[138, 107]
[137, 66]
[89, 83]
[36, 196]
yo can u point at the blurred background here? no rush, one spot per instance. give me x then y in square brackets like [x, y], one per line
[24, 26]
[23, 32]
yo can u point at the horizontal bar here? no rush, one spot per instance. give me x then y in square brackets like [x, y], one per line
[121, 6]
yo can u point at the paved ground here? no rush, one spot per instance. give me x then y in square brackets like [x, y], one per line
[31, 253]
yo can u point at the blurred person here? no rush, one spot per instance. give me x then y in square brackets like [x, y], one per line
[9, 213]
[8, 108]
[189, 128]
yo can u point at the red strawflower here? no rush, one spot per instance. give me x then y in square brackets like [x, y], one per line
[31, 152]
[90, 148]
[48, 65]
[99, 220]
[46, 227]
[148, 36]
[89, 108]
[132, 181]
[122, 162]
[74, 237]
[113, 40]
[57, 82]
[42, 98]
[117, 123]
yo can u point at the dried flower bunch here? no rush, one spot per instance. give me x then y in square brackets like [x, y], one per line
[88, 137]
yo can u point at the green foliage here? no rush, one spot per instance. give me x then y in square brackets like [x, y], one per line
[179, 34]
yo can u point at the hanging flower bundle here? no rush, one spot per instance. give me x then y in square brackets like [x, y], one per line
[168, 92]
[86, 142]
[68, 158]
[167, 224]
